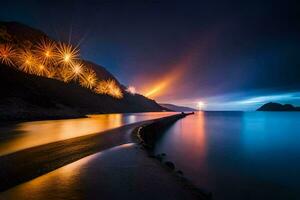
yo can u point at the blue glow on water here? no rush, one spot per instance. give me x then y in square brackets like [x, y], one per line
[238, 155]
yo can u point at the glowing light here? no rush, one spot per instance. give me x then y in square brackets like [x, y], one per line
[67, 57]
[51, 73]
[26, 61]
[45, 51]
[170, 82]
[153, 92]
[41, 70]
[7, 54]
[109, 87]
[200, 105]
[72, 72]
[131, 90]
[60, 61]
[67, 54]
[77, 71]
[65, 73]
[162, 85]
[89, 79]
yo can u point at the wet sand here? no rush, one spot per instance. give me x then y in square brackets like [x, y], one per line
[20, 136]
[122, 172]
[27, 164]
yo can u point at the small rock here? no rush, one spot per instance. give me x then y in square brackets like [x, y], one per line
[180, 172]
[170, 165]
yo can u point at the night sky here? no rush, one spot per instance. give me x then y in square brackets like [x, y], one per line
[232, 55]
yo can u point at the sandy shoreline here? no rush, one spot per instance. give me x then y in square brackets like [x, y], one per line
[16, 168]
[121, 172]
[29, 163]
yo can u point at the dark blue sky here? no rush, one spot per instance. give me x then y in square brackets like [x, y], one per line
[225, 53]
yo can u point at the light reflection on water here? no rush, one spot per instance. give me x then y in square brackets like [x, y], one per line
[238, 155]
[28, 134]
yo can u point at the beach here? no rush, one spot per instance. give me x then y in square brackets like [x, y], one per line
[17, 168]
[124, 171]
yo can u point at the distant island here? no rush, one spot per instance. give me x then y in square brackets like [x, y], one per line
[271, 106]
[177, 108]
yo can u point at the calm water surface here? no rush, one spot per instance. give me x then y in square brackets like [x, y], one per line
[238, 155]
[20, 136]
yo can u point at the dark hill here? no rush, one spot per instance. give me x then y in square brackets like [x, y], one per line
[16, 32]
[24, 96]
[278, 107]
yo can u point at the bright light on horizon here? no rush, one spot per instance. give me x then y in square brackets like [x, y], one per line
[200, 105]
[244, 101]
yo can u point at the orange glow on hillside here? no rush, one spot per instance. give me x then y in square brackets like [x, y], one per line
[89, 79]
[60, 61]
[7, 54]
[109, 87]
[27, 62]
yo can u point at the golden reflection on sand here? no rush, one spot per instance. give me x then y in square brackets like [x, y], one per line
[29, 134]
[42, 132]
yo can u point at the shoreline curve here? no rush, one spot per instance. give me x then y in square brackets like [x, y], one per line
[24, 165]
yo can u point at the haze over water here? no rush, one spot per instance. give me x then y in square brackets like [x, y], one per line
[238, 155]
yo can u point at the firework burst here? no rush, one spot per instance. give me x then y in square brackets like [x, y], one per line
[26, 61]
[65, 74]
[41, 70]
[7, 54]
[89, 79]
[51, 73]
[109, 87]
[45, 52]
[77, 71]
[72, 72]
[60, 61]
[101, 87]
[66, 54]
[117, 93]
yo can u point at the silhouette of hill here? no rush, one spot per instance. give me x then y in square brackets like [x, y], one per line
[177, 108]
[278, 107]
[24, 96]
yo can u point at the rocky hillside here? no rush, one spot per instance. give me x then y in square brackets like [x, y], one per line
[24, 96]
